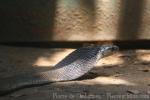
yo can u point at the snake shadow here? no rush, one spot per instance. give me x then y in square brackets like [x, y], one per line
[89, 75]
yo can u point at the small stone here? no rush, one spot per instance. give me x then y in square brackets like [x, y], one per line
[145, 70]
[117, 74]
[1, 61]
[145, 63]
[15, 95]
[133, 91]
[148, 92]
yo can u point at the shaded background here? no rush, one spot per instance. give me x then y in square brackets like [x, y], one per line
[71, 23]
[74, 20]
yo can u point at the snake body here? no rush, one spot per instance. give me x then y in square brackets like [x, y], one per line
[71, 67]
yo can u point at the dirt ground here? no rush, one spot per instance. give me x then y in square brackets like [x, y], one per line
[122, 76]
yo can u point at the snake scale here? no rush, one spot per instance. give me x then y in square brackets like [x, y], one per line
[71, 67]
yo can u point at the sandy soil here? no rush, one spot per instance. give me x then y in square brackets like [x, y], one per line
[122, 76]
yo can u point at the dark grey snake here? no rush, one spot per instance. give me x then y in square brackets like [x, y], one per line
[71, 67]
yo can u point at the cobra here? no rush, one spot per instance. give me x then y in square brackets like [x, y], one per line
[73, 66]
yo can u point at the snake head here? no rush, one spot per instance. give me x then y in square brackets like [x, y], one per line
[108, 49]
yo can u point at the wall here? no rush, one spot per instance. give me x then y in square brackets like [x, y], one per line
[74, 20]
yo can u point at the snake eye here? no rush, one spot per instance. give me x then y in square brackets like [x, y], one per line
[115, 48]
